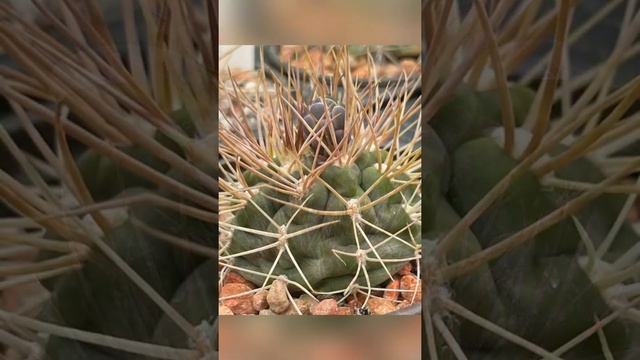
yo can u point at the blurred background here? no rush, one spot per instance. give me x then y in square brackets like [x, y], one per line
[320, 22]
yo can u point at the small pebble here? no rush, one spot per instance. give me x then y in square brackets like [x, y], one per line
[362, 72]
[235, 278]
[302, 306]
[406, 269]
[403, 304]
[356, 302]
[260, 300]
[344, 310]
[390, 70]
[353, 304]
[379, 306]
[325, 307]
[277, 297]
[391, 293]
[239, 305]
[308, 301]
[224, 310]
[410, 282]
[410, 66]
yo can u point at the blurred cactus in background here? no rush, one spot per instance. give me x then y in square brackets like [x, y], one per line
[529, 246]
[120, 205]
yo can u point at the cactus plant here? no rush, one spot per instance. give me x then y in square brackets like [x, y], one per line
[528, 251]
[124, 232]
[318, 188]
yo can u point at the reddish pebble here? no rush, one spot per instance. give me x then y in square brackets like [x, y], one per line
[234, 278]
[301, 305]
[353, 304]
[410, 66]
[361, 72]
[403, 304]
[406, 269]
[391, 293]
[325, 307]
[239, 305]
[412, 286]
[379, 306]
[344, 310]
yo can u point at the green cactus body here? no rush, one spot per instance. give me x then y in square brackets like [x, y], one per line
[469, 113]
[116, 193]
[106, 304]
[313, 251]
[106, 178]
[600, 217]
[100, 298]
[540, 291]
[476, 291]
[329, 200]
[196, 299]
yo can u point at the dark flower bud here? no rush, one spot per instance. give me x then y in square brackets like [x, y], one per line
[317, 110]
[338, 115]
